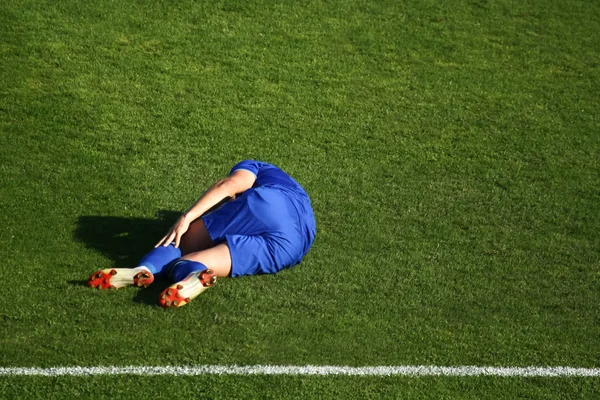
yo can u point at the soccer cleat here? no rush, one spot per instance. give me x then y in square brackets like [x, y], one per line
[182, 292]
[120, 277]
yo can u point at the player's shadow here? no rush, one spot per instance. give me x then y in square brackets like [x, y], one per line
[125, 241]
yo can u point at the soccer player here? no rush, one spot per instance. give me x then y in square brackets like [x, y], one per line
[268, 225]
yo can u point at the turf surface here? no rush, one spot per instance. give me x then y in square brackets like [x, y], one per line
[451, 151]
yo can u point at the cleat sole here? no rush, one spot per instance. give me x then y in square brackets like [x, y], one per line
[120, 277]
[143, 279]
[181, 293]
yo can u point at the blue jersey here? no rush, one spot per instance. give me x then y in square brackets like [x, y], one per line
[269, 175]
[269, 227]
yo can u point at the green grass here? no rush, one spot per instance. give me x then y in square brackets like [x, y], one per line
[451, 151]
[282, 387]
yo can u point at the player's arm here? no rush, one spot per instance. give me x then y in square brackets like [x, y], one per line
[238, 182]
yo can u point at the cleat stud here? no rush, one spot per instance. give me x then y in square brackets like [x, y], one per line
[113, 272]
[169, 292]
[176, 303]
[187, 299]
[213, 279]
[179, 287]
[100, 274]
[168, 303]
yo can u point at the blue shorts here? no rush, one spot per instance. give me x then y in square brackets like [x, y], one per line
[264, 228]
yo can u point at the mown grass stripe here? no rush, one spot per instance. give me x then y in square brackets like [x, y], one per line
[403, 370]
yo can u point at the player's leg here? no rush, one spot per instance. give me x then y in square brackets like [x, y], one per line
[216, 258]
[196, 238]
[153, 262]
[194, 273]
[143, 275]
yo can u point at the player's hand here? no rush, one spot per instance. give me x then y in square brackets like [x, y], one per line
[175, 233]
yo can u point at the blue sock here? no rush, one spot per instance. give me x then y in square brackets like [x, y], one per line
[179, 270]
[159, 257]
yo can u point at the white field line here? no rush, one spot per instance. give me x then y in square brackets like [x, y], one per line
[418, 370]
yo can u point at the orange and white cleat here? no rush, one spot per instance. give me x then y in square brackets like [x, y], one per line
[115, 278]
[182, 292]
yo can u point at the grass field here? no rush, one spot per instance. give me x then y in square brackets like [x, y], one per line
[451, 151]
